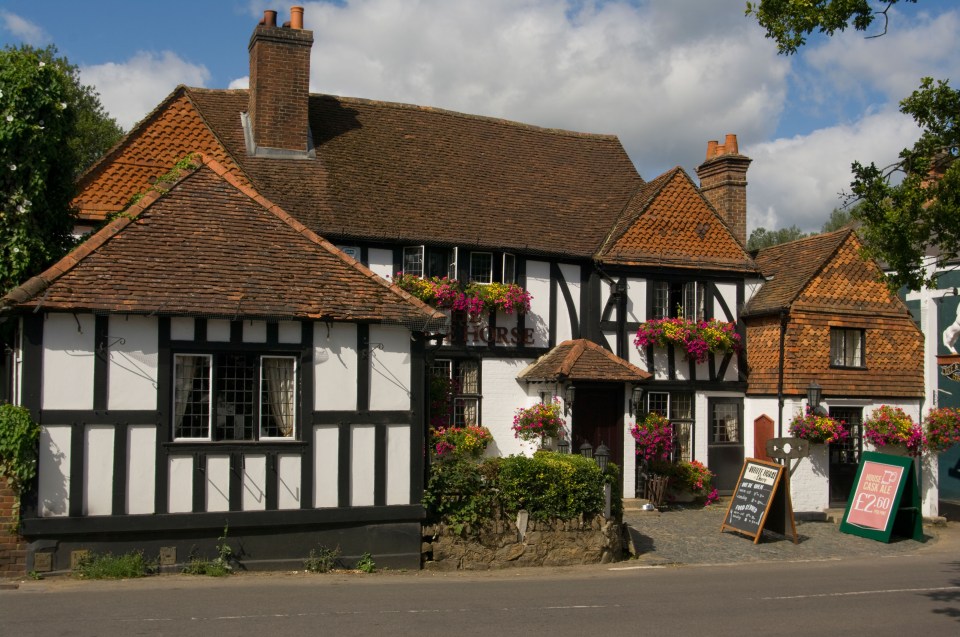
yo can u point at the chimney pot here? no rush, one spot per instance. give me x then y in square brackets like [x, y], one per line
[730, 144]
[711, 149]
[269, 18]
[296, 18]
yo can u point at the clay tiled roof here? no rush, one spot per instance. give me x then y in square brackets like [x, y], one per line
[398, 172]
[669, 223]
[212, 246]
[581, 360]
[173, 130]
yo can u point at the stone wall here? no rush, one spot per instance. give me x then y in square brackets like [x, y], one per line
[507, 543]
[13, 548]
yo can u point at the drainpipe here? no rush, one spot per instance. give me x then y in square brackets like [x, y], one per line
[783, 335]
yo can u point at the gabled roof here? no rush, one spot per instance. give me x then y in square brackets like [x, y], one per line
[789, 268]
[581, 360]
[212, 246]
[669, 223]
[395, 172]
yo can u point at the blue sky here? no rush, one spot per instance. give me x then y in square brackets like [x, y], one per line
[665, 76]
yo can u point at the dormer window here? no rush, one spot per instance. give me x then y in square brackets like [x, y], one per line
[481, 267]
[679, 300]
[421, 261]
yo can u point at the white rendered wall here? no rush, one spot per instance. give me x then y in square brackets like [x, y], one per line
[502, 395]
[628, 464]
[728, 291]
[218, 330]
[362, 464]
[54, 471]
[390, 368]
[180, 479]
[381, 262]
[254, 482]
[538, 285]
[326, 445]
[289, 332]
[182, 329]
[68, 346]
[571, 274]
[335, 366]
[98, 469]
[133, 356]
[288, 481]
[398, 464]
[636, 301]
[141, 468]
[218, 483]
[254, 331]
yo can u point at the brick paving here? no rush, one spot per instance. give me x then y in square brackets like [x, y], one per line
[690, 534]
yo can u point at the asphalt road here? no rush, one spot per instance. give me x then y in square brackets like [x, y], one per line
[917, 593]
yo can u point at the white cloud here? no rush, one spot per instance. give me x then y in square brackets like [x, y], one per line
[130, 90]
[24, 30]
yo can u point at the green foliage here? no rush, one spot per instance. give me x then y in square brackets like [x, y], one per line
[50, 127]
[551, 485]
[18, 452]
[839, 218]
[458, 492]
[217, 567]
[762, 238]
[913, 207]
[789, 22]
[322, 560]
[108, 566]
[366, 564]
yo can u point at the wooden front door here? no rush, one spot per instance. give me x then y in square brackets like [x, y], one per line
[725, 442]
[845, 455]
[598, 419]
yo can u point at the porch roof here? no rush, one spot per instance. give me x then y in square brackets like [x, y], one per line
[581, 360]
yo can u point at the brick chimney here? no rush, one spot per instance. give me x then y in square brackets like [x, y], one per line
[276, 122]
[723, 181]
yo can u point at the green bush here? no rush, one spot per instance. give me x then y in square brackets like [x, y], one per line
[551, 485]
[322, 560]
[108, 566]
[459, 492]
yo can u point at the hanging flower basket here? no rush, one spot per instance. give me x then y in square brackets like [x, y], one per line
[891, 427]
[539, 422]
[818, 429]
[654, 436]
[942, 428]
[697, 339]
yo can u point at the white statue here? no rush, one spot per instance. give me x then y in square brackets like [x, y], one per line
[952, 333]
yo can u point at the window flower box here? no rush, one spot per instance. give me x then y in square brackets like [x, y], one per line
[697, 339]
[475, 299]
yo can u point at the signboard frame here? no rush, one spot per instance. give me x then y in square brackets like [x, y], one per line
[903, 517]
[778, 500]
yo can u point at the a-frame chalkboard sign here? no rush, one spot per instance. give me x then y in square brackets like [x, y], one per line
[760, 500]
[885, 499]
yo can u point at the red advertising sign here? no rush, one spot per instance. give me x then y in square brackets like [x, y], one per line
[874, 495]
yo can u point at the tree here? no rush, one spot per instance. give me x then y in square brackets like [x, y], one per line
[912, 208]
[51, 127]
[839, 218]
[789, 22]
[762, 238]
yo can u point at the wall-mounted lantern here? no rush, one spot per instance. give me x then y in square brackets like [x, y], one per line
[636, 400]
[568, 395]
[814, 396]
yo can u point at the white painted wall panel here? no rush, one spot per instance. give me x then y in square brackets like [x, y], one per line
[636, 301]
[288, 481]
[98, 469]
[538, 285]
[254, 482]
[390, 369]
[661, 369]
[132, 374]
[54, 471]
[141, 468]
[218, 330]
[180, 496]
[182, 328]
[729, 293]
[335, 366]
[362, 464]
[571, 274]
[218, 483]
[381, 262]
[326, 445]
[254, 331]
[68, 346]
[289, 332]
[398, 464]
[502, 395]
[606, 291]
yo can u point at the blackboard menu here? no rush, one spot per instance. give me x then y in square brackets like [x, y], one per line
[752, 497]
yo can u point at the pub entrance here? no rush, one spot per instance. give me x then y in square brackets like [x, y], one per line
[598, 419]
[845, 455]
[725, 442]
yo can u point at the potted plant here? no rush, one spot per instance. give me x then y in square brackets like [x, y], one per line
[697, 339]
[460, 442]
[689, 481]
[942, 428]
[892, 427]
[818, 429]
[539, 422]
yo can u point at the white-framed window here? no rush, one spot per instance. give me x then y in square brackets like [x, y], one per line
[509, 268]
[679, 300]
[677, 407]
[413, 260]
[465, 374]
[234, 396]
[846, 347]
[421, 261]
[481, 267]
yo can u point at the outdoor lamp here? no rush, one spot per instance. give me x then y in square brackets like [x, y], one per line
[568, 395]
[814, 396]
[602, 456]
[636, 400]
[586, 449]
[563, 445]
